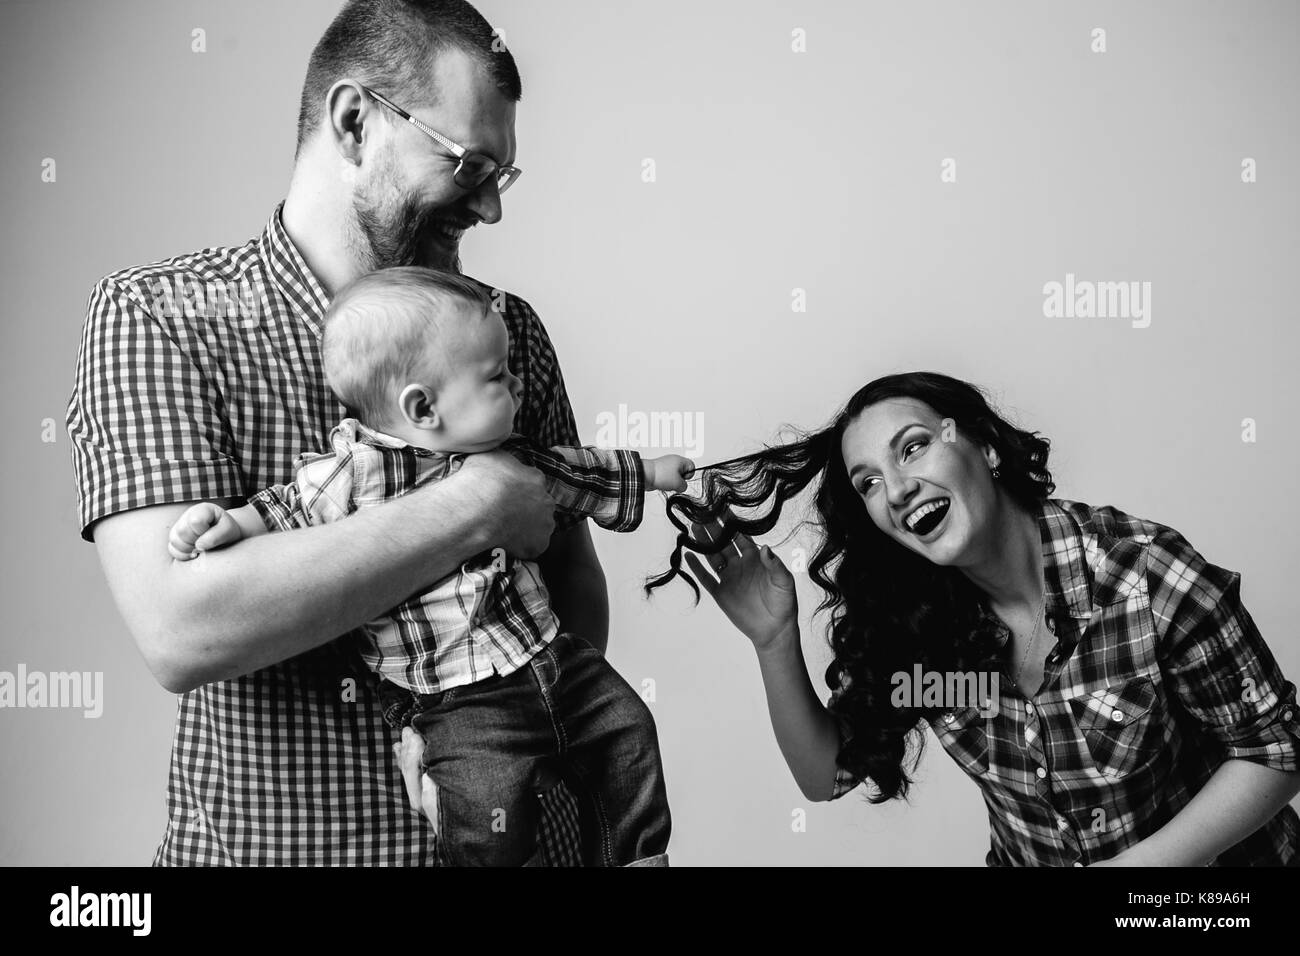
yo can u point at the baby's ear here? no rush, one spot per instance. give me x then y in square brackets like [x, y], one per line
[416, 406]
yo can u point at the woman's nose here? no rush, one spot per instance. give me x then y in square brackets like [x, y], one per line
[899, 489]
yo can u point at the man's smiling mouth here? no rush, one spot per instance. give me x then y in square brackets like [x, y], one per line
[926, 518]
[450, 232]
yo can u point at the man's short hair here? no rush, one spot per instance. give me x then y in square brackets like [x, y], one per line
[391, 45]
[383, 331]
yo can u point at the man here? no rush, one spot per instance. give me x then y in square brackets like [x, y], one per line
[280, 754]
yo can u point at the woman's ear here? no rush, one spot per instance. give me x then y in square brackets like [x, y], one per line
[417, 407]
[992, 457]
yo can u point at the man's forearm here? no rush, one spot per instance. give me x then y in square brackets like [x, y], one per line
[579, 595]
[238, 609]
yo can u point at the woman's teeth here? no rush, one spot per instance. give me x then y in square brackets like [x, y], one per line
[927, 517]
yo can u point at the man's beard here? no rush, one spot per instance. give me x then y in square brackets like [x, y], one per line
[400, 238]
[397, 233]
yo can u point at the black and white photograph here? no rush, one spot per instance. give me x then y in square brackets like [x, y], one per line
[707, 433]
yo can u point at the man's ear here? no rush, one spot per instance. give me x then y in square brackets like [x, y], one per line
[349, 117]
[992, 457]
[416, 404]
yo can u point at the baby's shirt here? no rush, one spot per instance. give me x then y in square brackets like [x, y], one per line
[493, 614]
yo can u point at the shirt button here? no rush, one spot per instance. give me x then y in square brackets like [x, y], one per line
[949, 718]
[1029, 709]
[1041, 772]
[1077, 863]
[1286, 714]
[1117, 715]
[1062, 823]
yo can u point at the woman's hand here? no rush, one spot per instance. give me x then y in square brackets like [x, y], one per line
[753, 587]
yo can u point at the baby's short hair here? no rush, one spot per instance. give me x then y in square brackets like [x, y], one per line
[379, 330]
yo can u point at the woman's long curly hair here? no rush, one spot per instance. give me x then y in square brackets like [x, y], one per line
[890, 607]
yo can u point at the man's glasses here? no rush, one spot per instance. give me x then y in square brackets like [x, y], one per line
[473, 169]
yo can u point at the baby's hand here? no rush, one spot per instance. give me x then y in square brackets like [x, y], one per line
[203, 527]
[668, 473]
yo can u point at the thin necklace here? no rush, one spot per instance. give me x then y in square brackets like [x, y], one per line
[1033, 637]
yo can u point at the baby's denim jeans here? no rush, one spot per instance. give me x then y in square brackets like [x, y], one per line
[488, 746]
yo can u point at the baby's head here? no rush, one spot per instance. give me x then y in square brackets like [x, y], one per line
[421, 355]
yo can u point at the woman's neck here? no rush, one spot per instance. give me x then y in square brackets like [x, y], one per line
[1010, 571]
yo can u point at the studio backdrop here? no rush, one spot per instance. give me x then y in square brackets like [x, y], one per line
[732, 215]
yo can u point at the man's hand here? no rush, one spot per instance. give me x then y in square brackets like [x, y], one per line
[520, 512]
[421, 791]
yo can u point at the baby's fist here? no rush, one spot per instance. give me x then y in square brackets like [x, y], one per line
[200, 528]
[669, 473]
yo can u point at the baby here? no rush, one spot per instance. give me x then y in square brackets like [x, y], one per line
[477, 664]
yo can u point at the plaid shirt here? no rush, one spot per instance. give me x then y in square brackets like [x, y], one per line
[494, 614]
[182, 395]
[1158, 676]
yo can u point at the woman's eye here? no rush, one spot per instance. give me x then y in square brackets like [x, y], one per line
[868, 484]
[907, 449]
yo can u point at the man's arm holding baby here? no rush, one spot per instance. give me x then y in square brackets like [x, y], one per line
[275, 596]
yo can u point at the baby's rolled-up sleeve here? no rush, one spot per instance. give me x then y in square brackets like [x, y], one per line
[280, 507]
[1215, 660]
[320, 492]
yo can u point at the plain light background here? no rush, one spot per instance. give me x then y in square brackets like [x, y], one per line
[776, 170]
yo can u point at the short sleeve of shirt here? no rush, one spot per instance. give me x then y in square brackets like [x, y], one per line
[145, 424]
[1215, 659]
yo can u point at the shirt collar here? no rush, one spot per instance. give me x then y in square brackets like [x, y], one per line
[1066, 573]
[290, 273]
[352, 431]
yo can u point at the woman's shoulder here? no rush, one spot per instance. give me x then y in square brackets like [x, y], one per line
[1123, 550]
[1108, 522]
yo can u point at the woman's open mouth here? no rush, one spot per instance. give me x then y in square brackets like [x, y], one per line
[927, 517]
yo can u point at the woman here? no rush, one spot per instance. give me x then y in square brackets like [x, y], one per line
[1138, 716]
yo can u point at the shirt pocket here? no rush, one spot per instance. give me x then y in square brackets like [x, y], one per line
[1120, 725]
[963, 735]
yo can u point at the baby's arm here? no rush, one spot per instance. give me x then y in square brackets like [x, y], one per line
[607, 485]
[207, 526]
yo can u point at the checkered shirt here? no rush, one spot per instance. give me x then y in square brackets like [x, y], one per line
[1157, 677]
[200, 377]
[493, 614]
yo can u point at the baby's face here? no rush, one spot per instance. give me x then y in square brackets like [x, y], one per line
[479, 395]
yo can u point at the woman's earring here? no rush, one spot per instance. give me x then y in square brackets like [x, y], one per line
[996, 473]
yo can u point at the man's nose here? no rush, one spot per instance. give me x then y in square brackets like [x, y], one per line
[485, 201]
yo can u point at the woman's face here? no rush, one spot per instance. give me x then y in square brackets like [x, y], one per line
[924, 484]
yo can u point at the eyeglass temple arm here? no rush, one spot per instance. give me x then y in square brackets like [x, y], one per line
[455, 148]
